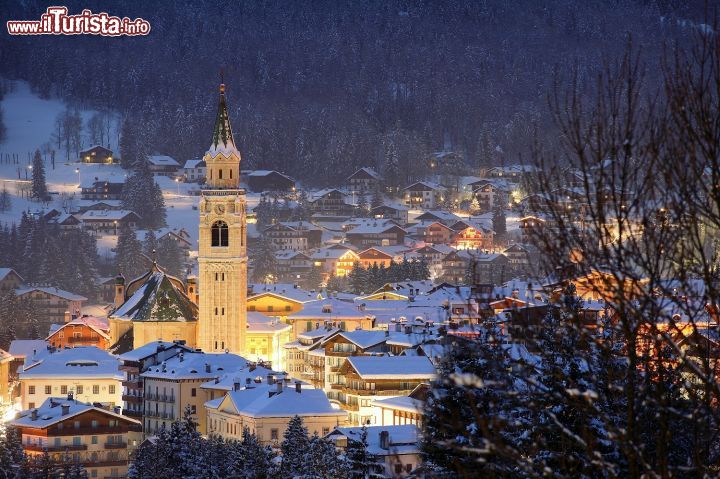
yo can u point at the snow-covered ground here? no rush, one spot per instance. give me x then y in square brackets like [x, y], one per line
[30, 122]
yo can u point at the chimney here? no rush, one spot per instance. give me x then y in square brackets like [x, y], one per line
[207, 367]
[119, 290]
[236, 384]
[65, 409]
[70, 396]
[279, 386]
[385, 440]
[33, 415]
[248, 381]
[387, 333]
[270, 379]
[298, 387]
[182, 356]
[67, 317]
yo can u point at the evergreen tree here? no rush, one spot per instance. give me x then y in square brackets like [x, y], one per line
[359, 279]
[392, 171]
[312, 279]
[142, 195]
[150, 244]
[128, 253]
[264, 262]
[362, 463]
[132, 148]
[294, 448]
[256, 460]
[377, 197]
[171, 257]
[336, 283]
[5, 200]
[363, 206]
[302, 210]
[323, 461]
[39, 187]
[499, 221]
[12, 457]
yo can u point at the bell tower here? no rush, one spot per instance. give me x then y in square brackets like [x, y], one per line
[222, 254]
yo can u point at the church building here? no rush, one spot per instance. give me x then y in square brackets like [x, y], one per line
[157, 306]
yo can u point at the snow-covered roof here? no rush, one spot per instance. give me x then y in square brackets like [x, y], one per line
[6, 271]
[60, 293]
[392, 367]
[162, 160]
[402, 439]
[190, 164]
[22, 348]
[147, 350]
[106, 215]
[77, 362]
[259, 323]
[263, 400]
[196, 365]
[51, 412]
[328, 308]
[157, 299]
[286, 290]
[424, 186]
[99, 325]
[400, 403]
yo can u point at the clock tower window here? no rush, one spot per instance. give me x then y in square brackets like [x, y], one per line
[219, 234]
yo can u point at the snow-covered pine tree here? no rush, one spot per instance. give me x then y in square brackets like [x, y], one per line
[467, 412]
[363, 206]
[142, 195]
[362, 463]
[324, 462]
[312, 279]
[12, 457]
[377, 198]
[254, 461]
[391, 168]
[5, 200]
[128, 253]
[294, 449]
[359, 279]
[171, 257]
[264, 262]
[39, 186]
[499, 220]
[150, 244]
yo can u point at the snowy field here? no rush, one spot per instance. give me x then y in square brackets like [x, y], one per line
[30, 123]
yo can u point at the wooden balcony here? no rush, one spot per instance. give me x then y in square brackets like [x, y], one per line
[375, 392]
[350, 407]
[115, 445]
[52, 448]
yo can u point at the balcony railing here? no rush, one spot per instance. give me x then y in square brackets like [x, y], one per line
[53, 448]
[115, 445]
[337, 387]
[376, 392]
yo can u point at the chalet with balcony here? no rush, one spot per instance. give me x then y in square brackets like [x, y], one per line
[269, 180]
[472, 234]
[101, 440]
[331, 202]
[364, 181]
[82, 331]
[108, 221]
[424, 195]
[294, 236]
[102, 190]
[362, 379]
[376, 233]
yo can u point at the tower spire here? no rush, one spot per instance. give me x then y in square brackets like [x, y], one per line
[222, 133]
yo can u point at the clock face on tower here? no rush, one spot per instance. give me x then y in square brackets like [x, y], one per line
[219, 209]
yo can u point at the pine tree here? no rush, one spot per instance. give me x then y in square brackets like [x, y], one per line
[312, 279]
[170, 257]
[128, 253]
[264, 262]
[255, 460]
[362, 464]
[294, 449]
[359, 279]
[142, 195]
[392, 165]
[5, 200]
[377, 197]
[12, 457]
[39, 187]
[302, 210]
[499, 221]
[150, 244]
[323, 461]
[336, 283]
[363, 206]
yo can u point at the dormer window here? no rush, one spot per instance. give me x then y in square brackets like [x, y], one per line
[219, 234]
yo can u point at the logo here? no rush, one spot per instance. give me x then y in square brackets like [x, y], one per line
[56, 21]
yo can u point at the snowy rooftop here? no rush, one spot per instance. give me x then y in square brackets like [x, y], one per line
[162, 160]
[392, 367]
[6, 271]
[60, 293]
[286, 290]
[22, 348]
[51, 412]
[329, 309]
[263, 400]
[77, 362]
[157, 300]
[194, 164]
[403, 439]
[197, 365]
[259, 323]
[109, 215]
[400, 403]
[149, 349]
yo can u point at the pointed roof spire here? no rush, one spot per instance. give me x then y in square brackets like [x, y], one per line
[222, 134]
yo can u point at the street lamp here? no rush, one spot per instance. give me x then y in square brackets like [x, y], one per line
[77, 170]
[29, 169]
[177, 181]
[115, 223]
